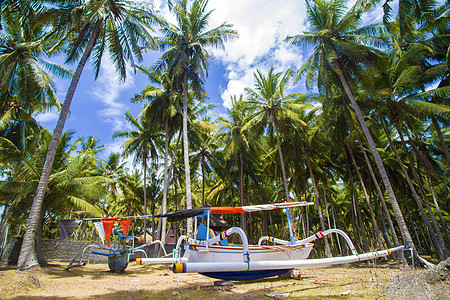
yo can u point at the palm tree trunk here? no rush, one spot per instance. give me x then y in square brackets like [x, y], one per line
[441, 139]
[283, 169]
[27, 257]
[439, 245]
[187, 170]
[438, 209]
[319, 209]
[241, 186]
[250, 229]
[397, 211]
[163, 221]
[369, 203]
[380, 194]
[283, 172]
[356, 210]
[145, 203]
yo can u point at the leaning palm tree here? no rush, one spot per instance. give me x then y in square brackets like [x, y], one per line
[143, 142]
[90, 27]
[186, 58]
[340, 56]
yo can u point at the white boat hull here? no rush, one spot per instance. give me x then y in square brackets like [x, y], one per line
[215, 253]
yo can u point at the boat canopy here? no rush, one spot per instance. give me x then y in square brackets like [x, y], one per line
[189, 213]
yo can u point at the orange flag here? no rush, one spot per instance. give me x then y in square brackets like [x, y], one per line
[108, 224]
[125, 223]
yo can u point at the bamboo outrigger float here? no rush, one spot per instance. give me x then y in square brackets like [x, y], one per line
[209, 253]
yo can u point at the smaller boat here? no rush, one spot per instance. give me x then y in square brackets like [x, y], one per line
[210, 254]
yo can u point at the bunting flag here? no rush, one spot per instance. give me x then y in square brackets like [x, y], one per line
[108, 224]
[66, 227]
[125, 223]
[100, 230]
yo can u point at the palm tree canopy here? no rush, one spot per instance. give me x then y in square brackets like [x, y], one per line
[184, 43]
[123, 28]
[336, 36]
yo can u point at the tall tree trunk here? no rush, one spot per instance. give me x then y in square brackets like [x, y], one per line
[187, 170]
[316, 200]
[369, 203]
[163, 222]
[397, 211]
[241, 186]
[380, 194]
[283, 171]
[441, 139]
[328, 215]
[438, 209]
[250, 223]
[203, 181]
[27, 257]
[383, 223]
[357, 211]
[439, 244]
[145, 203]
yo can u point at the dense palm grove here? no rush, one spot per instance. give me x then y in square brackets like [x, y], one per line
[367, 143]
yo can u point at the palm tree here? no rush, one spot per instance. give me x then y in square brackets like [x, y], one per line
[186, 59]
[163, 108]
[339, 57]
[26, 87]
[236, 140]
[204, 145]
[123, 29]
[71, 184]
[143, 142]
[271, 106]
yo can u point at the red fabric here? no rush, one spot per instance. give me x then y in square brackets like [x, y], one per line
[108, 224]
[125, 223]
[226, 210]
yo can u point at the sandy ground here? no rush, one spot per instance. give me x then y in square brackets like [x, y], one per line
[158, 282]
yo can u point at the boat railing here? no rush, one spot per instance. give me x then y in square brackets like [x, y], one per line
[272, 240]
[321, 234]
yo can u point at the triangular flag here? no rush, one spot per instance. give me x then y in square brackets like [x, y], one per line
[100, 230]
[125, 223]
[108, 224]
[66, 228]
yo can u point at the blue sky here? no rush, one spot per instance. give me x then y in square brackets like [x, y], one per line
[98, 106]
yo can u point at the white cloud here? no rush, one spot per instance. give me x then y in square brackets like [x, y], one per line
[48, 116]
[108, 90]
[262, 25]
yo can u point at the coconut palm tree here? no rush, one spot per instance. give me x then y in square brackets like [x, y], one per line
[237, 141]
[144, 142]
[163, 107]
[71, 184]
[339, 56]
[89, 29]
[186, 58]
[270, 106]
[26, 85]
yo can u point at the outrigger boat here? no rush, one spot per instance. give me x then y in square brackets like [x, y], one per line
[210, 254]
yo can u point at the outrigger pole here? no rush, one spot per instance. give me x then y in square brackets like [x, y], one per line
[206, 267]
